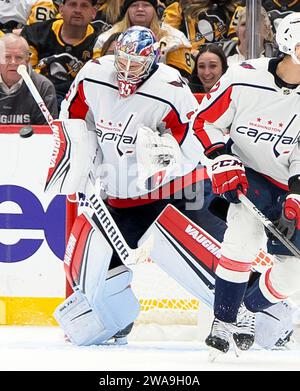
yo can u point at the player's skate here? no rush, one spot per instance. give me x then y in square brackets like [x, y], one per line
[245, 328]
[219, 338]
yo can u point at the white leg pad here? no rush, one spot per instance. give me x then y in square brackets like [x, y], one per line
[95, 321]
[186, 252]
[102, 303]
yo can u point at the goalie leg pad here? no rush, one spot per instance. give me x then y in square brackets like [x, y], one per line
[185, 252]
[274, 325]
[103, 302]
[94, 322]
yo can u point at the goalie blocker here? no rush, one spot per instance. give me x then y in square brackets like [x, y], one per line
[102, 303]
[74, 157]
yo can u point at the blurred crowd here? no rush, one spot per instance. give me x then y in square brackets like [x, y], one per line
[200, 38]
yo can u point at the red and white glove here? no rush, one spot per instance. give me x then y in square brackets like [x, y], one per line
[228, 176]
[290, 218]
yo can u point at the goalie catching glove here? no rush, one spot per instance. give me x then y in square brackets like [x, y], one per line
[158, 157]
[227, 176]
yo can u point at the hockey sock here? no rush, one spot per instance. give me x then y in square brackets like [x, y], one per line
[254, 299]
[228, 298]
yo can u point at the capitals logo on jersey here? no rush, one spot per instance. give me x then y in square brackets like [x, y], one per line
[270, 131]
[115, 133]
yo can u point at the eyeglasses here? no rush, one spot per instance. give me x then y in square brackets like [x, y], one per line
[17, 59]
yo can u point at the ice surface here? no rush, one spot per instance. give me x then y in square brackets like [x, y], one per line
[27, 348]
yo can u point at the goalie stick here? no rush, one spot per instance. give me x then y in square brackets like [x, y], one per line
[101, 216]
[268, 224]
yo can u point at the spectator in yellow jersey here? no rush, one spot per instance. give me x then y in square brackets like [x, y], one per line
[174, 47]
[202, 21]
[61, 47]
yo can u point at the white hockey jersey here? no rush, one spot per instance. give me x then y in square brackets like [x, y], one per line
[17, 10]
[262, 116]
[163, 102]
[25, 11]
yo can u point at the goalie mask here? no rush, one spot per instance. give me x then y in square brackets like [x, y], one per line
[288, 36]
[136, 56]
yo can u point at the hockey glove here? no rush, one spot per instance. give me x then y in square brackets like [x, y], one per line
[158, 157]
[290, 216]
[228, 176]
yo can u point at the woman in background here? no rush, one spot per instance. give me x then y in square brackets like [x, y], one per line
[210, 64]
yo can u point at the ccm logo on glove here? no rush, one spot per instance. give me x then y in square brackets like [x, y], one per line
[228, 176]
[226, 163]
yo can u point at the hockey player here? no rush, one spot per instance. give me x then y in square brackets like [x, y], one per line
[175, 49]
[258, 101]
[140, 111]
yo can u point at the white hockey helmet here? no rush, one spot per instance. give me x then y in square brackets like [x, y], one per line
[288, 35]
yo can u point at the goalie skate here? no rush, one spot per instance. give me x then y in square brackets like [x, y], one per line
[121, 337]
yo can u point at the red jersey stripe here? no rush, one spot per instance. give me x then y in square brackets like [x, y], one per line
[173, 122]
[78, 107]
[236, 266]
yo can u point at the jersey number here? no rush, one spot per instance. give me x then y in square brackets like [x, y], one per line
[188, 59]
[43, 14]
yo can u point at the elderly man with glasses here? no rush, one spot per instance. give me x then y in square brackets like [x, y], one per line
[16, 103]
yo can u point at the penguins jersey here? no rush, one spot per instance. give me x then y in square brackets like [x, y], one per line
[212, 26]
[41, 11]
[261, 113]
[163, 102]
[55, 59]
[278, 9]
[16, 13]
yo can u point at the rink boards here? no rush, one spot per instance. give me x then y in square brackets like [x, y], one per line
[32, 230]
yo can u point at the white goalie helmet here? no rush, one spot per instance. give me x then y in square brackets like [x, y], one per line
[136, 56]
[288, 35]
